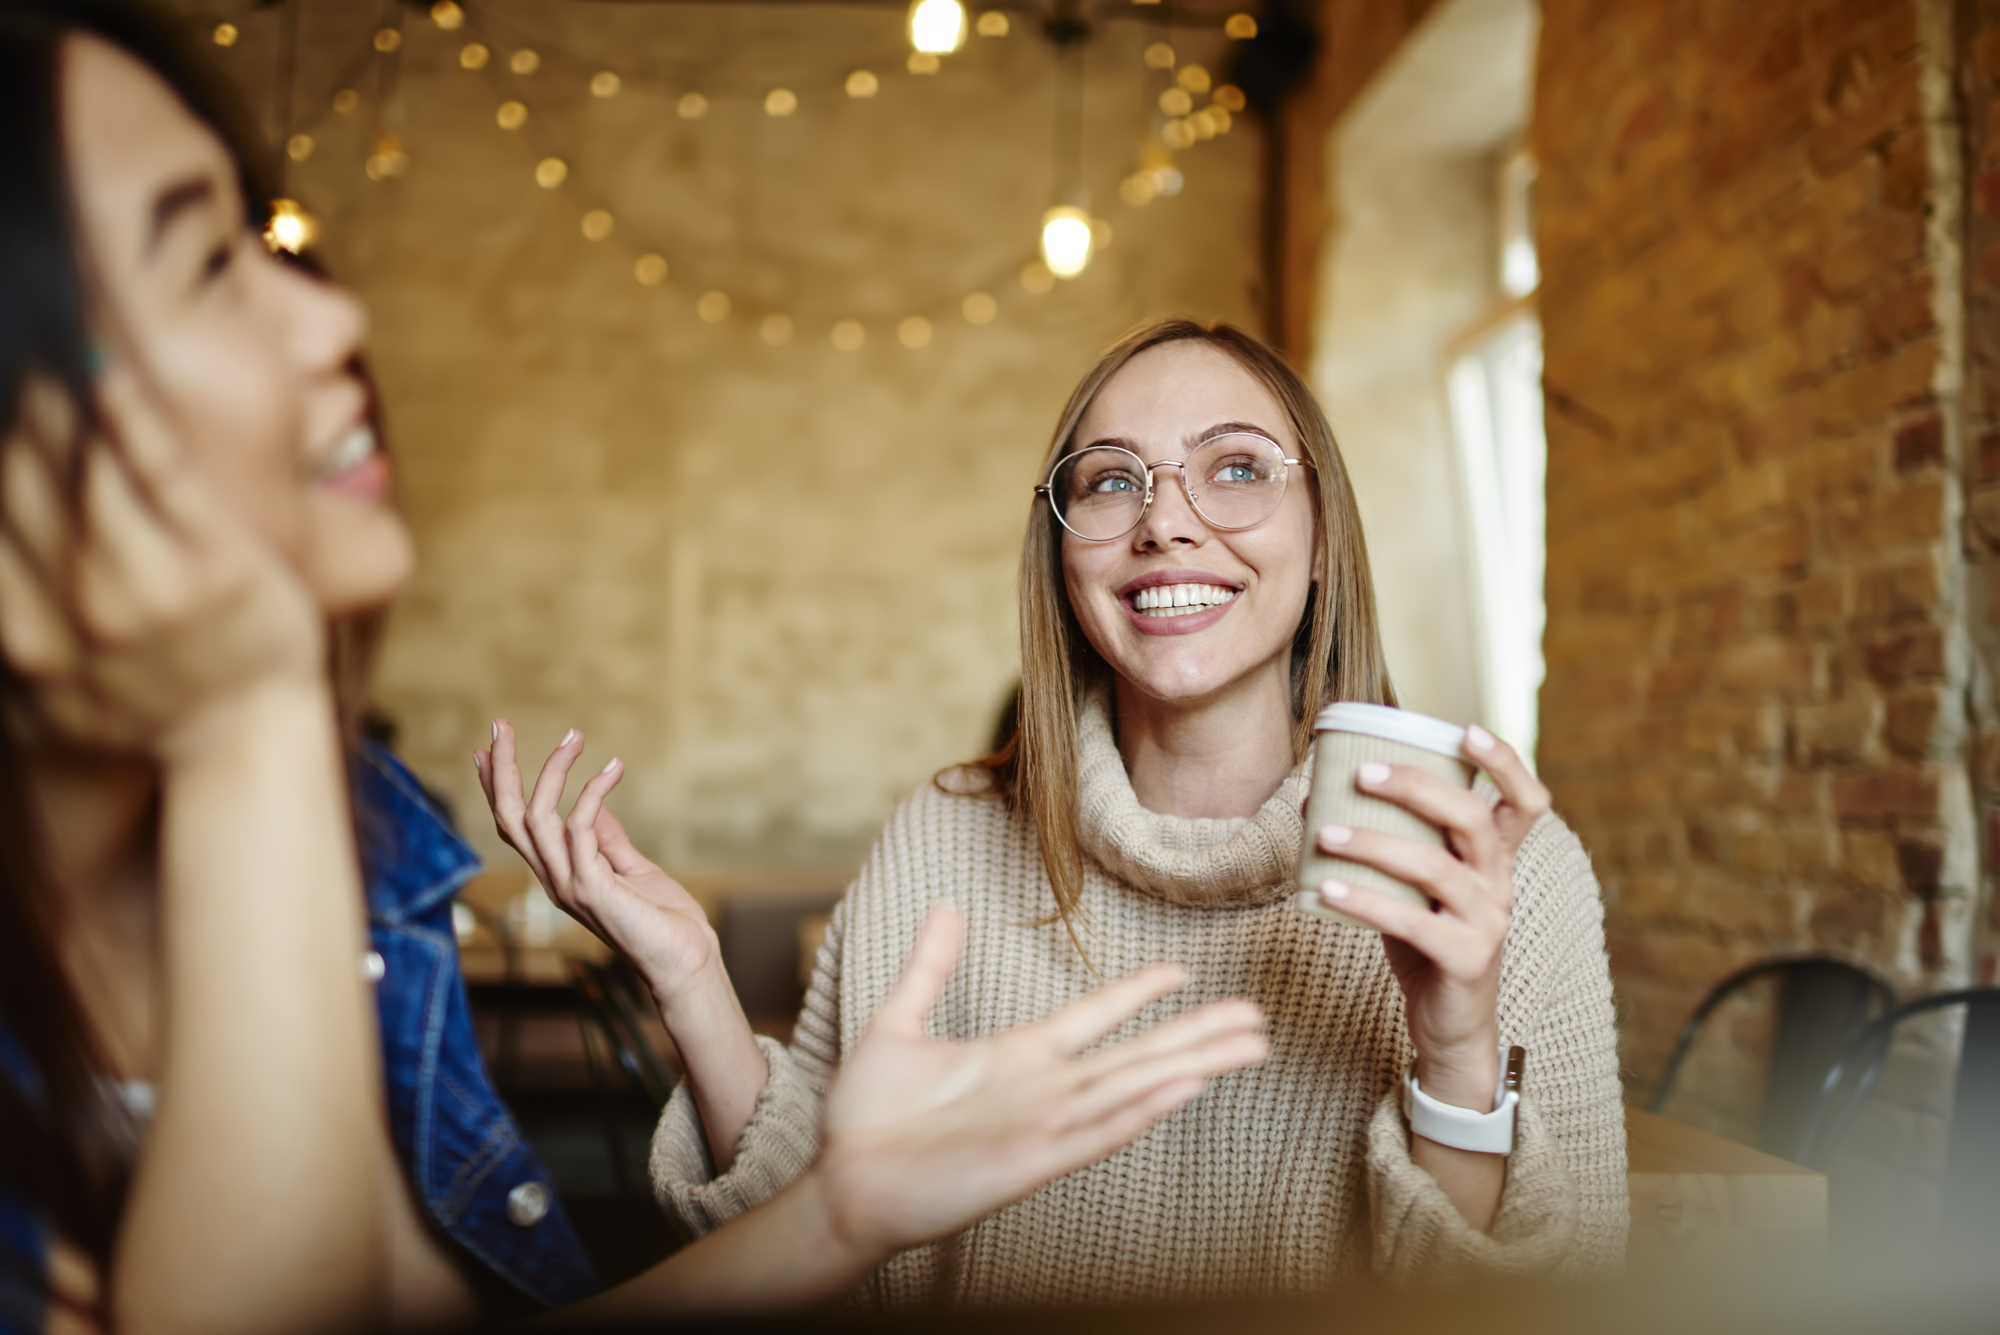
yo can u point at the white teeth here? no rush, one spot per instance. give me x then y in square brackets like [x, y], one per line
[1174, 600]
[353, 450]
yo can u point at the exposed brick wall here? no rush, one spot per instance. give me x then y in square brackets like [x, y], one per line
[1757, 680]
[1980, 89]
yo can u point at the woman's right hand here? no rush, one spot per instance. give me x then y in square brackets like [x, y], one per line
[143, 608]
[591, 870]
[925, 1137]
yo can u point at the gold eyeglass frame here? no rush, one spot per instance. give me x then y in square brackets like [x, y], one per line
[1047, 486]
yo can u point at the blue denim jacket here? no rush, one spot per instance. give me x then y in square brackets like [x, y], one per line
[472, 1174]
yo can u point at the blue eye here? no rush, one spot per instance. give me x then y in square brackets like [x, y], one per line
[1113, 483]
[1237, 473]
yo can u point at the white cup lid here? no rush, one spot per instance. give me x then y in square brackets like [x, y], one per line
[1393, 725]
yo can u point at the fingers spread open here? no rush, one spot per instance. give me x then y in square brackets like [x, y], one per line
[1089, 1018]
[617, 847]
[582, 823]
[503, 784]
[1217, 1054]
[932, 961]
[36, 513]
[1091, 1141]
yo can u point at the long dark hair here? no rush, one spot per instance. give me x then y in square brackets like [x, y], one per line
[62, 1149]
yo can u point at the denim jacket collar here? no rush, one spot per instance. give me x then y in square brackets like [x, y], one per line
[415, 860]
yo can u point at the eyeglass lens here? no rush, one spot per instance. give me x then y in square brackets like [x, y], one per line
[1234, 482]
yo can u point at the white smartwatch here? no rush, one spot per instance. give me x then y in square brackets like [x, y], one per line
[1462, 1128]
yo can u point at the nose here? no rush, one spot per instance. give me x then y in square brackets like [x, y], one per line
[327, 323]
[1169, 521]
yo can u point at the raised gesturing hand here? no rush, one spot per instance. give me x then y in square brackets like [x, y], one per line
[923, 1138]
[590, 868]
[132, 598]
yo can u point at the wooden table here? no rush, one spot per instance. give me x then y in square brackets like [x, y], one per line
[1702, 1202]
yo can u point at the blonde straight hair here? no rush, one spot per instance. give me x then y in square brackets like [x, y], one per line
[1336, 653]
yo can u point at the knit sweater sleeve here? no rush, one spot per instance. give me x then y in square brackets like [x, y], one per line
[783, 1135]
[1564, 1208]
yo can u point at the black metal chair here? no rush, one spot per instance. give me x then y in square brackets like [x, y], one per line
[1822, 1000]
[1970, 1201]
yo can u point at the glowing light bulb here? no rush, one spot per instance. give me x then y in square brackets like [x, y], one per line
[937, 27]
[691, 107]
[290, 228]
[863, 83]
[225, 34]
[1240, 26]
[914, 332]
[512, 115]
[597, 225]
[551, 172]
[605, 83]
[848, 335]
[1066, 240]
[388, 39]
[299, 147]
[921, 62]
[387, 160]
[1159, 56]
[345, 101]
[447, 15]
[1229, 97]
[473, 56]
[979, 308]
[780, 102]
[524, 61]
[992, 24]
[1193, 78]
[713, 307]
[1176, 102]
[651, 270]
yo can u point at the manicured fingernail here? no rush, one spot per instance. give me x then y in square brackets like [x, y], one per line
[568, 737]
[1373, 771]
[1335, 834]
[496, 729]
[1478, 738]
[1335, 890]
[479, 762]
[612, 766]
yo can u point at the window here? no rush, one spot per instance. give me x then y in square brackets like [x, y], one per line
[1494, 387]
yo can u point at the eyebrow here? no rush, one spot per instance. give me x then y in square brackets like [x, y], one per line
[1200, 438]
[173, 202]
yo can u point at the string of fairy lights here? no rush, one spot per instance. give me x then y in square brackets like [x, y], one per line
[1192, 108]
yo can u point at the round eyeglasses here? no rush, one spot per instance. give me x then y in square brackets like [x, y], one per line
[1233, 482]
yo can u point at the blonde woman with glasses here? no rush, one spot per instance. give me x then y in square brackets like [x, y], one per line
[1194, 587]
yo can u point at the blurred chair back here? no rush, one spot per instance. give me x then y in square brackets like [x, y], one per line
[1970, 1199]
[1821, 1002]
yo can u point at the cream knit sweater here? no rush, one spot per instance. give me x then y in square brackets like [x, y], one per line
[1280, 1179]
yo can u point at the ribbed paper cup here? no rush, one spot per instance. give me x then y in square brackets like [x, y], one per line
[1347, 735]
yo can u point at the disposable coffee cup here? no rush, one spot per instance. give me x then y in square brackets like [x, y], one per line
[1347, 736]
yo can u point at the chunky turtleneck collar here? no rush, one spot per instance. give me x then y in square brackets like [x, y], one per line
[1200, 862]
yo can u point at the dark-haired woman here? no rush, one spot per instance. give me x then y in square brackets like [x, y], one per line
[1194, 588]
[192, 1076]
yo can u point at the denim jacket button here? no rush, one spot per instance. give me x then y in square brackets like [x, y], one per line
[373, 966]
[527, 1204]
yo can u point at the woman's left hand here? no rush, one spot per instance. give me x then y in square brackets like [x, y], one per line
[1447, 958]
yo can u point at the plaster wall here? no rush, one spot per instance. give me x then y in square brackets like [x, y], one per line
[777, 581]
[1410, 266]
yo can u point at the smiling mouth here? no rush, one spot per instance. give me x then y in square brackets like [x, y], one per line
[355, 448]
[1179, 600]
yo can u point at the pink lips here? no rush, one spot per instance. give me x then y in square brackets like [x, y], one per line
[1181, 625]
[366, 481]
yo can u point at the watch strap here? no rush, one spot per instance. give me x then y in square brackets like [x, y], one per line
[1462, 1128]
